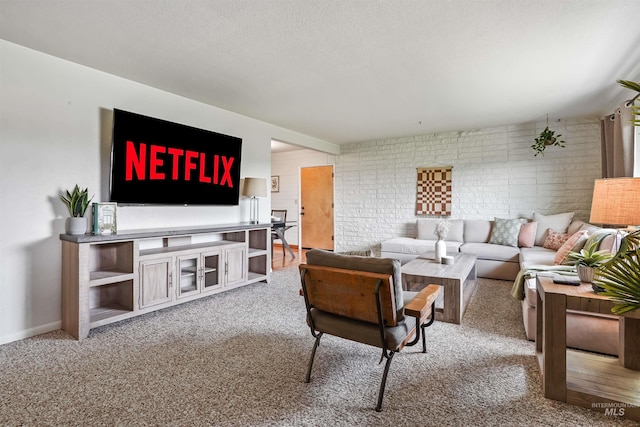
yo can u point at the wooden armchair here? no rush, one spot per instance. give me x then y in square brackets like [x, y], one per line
[361, 299]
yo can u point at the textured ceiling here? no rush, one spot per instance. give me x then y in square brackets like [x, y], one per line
[347, 70]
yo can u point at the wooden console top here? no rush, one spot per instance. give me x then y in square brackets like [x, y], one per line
[161, 232]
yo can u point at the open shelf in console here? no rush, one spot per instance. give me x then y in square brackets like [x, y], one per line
[110, 261]
[109, 301]
[257, 268]
[258, 240]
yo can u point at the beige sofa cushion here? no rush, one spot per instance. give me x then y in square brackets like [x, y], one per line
[558, 222]
[427, 226]
[492, 251]
[536, 255]
[407, 245]
[477, 230]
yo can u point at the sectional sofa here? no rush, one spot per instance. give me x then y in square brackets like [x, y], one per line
[502, 255]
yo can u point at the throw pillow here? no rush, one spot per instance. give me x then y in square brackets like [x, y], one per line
[555, 240]
[366, 252]
[577, 239]
[505, 232]
[527, 235]
[558, 222]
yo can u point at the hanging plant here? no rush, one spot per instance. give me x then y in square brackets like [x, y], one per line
[546, 139]
[635, 109]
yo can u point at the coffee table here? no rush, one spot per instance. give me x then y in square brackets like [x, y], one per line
[458, 281]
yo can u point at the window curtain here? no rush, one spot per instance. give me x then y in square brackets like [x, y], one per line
[617, 142]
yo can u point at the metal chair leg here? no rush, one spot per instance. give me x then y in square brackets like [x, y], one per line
[313, 355]
[384, 381]
[425, 325]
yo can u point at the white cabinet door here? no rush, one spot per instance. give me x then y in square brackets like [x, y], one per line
[235, 265]
[156, 281]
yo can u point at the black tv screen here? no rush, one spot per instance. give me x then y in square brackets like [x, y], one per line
[154, 161]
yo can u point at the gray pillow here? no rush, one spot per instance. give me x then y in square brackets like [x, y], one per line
[505, 232]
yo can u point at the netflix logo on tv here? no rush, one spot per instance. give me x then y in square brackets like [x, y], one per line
[154, 161]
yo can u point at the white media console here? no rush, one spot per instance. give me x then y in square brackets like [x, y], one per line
[106, 279]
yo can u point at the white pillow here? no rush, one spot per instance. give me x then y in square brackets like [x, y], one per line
[558, 222]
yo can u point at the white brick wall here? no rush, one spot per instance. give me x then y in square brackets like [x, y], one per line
[495, 173]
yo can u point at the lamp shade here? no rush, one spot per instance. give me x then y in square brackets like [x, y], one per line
[616, 201]
[255, 187]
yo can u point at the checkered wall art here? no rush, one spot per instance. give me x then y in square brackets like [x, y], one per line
[434, 191]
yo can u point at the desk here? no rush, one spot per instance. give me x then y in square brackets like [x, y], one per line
[597, 382]
[278, 228]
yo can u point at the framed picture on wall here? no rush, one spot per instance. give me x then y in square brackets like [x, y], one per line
[275, 184]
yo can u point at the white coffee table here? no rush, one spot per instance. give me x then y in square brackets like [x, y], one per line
[458, 280]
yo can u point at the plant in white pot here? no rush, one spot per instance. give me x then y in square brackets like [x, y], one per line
[620, 277]
[77, 201]
[441, 231]
[588, 260]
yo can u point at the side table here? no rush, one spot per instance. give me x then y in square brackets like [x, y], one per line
[606, 384]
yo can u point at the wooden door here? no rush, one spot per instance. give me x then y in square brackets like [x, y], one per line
[316, 207]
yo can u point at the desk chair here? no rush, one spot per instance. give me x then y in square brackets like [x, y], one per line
[282, 216]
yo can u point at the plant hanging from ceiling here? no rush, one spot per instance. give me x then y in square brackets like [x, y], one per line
[635, 110]
[546, 139]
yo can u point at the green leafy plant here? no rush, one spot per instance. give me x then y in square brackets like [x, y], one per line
[589, 256]
[636, 109]
[77, 201]
[620, 277]
[546, 139]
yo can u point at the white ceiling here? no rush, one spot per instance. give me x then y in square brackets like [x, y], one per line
[350, 70]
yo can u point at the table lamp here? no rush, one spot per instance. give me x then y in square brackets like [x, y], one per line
[254, 188]
[616, 201]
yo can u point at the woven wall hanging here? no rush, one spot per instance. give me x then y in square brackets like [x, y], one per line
[434, 191]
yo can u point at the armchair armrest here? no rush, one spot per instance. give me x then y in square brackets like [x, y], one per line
[420, 306]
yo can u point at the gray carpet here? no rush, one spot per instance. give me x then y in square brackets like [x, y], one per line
[239, 359]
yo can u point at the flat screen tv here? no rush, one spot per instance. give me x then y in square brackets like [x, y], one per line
[154, 161]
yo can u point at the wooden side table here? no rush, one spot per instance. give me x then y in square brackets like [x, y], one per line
[606, 384]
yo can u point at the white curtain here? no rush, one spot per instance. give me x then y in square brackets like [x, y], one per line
[617, 143]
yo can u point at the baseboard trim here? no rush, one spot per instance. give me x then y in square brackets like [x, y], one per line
[279, 245]
[31, 332]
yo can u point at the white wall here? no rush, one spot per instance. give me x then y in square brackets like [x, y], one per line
[55, 120]
[287, 166]
[495, 174]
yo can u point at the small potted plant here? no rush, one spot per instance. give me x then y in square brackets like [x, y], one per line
[546, 139]
[588, 260]
[77, 201]
[620, 277]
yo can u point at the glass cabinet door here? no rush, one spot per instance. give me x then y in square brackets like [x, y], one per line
[211, 271]
[188, 275]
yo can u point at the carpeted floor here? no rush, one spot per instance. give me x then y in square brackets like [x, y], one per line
[239, 359]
